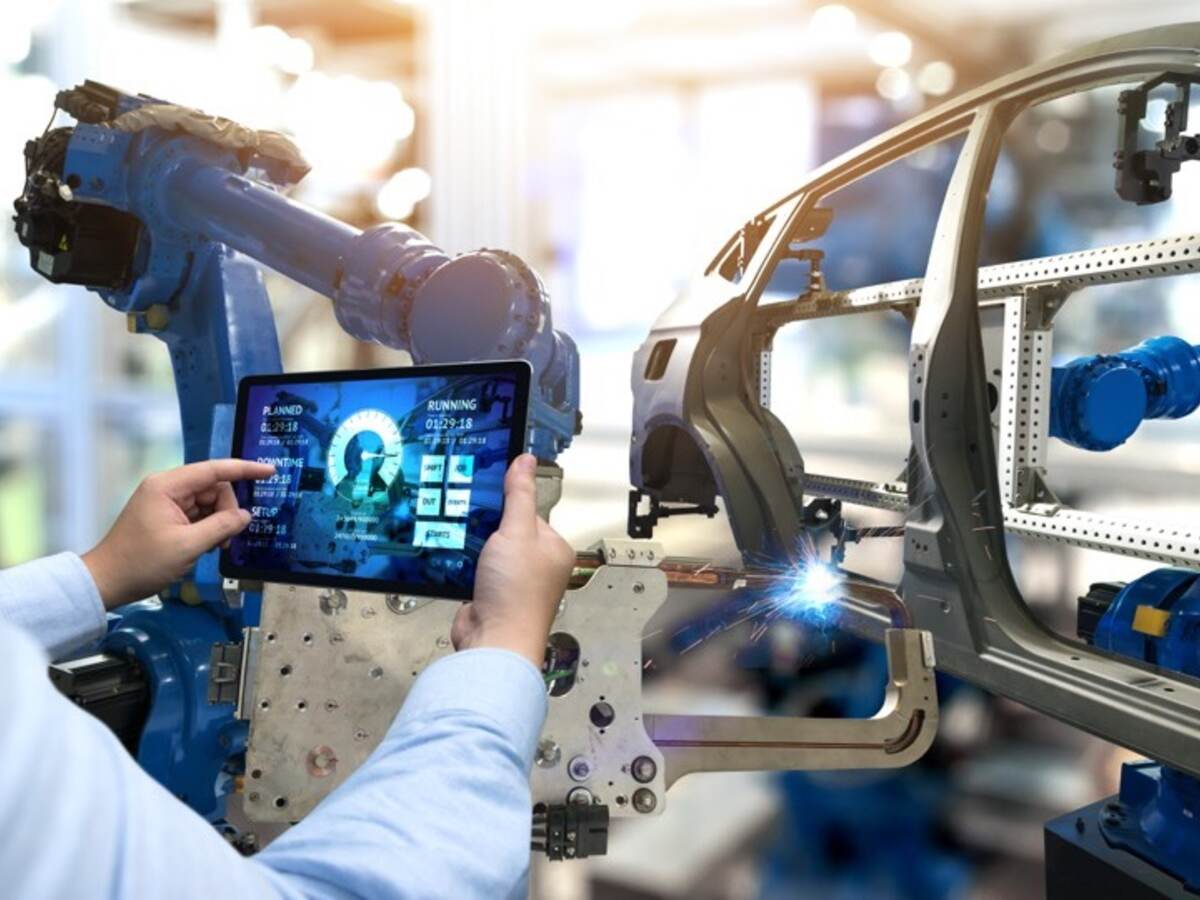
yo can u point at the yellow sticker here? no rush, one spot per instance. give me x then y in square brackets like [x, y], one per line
[1150, 620]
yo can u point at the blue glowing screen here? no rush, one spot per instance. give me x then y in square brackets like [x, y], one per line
[390, 483]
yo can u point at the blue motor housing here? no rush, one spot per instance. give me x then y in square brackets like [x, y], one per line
[1173, 642]
[1154, 816]
[1098, 402]
[1154, 619]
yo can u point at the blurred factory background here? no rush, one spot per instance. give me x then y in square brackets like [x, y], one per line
[616, 145]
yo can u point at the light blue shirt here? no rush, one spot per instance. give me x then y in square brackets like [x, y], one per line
[440, 810]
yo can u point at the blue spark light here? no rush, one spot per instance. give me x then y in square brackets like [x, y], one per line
[809, 593]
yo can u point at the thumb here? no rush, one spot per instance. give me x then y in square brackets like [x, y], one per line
[520, 497]
[214, 530]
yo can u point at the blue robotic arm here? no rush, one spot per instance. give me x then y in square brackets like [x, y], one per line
[151, 203]
[160, 209]
[1098, 402]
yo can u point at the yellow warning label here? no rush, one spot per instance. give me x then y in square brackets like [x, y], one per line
[1151, 621]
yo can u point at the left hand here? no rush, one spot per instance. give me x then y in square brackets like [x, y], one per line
[172, 519]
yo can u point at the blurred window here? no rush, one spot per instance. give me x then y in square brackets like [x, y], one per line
[29, 506]
[1054, 192]
[881, 226]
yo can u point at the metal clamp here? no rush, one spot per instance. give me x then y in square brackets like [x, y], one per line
[899, 734]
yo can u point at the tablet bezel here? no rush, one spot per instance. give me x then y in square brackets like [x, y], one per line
[522, 373]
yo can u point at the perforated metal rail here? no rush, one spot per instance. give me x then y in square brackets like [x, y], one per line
[1156, 258]
[1167, 544]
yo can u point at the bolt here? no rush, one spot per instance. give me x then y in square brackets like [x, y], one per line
[1079, 826]
[336, 638]
[360, 735]
[631, 553]
[644, 800]
[332, 602]
[331, 705]
[321, 761]
[548, 754]
[400, 604]
[650, 554]
[638, 587]
[644, 769]
[253, 797]
[368, 612]
[579, 768]
[443, 642]
[580, 796]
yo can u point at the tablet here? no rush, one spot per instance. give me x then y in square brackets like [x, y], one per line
[385, 480]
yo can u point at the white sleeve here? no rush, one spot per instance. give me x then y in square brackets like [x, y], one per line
[441, 809]
[55, 600]
[81, 819]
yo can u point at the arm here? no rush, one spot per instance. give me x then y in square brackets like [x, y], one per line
[55, 600]
[172, 519]
[441, 808]
[80, 818]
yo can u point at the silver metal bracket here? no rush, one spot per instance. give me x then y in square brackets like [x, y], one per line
[335, 666]
[899, 734]
[623, 552]
[231, 593]
[333, 669]
[1025, 395]
[224, 673]
[231, 671]
[595, 747]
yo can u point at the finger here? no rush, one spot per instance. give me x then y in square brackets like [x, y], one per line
[520, 498]
[201, 476]
[564, 553]
[215, 530]
[207, 498]
[226, 499]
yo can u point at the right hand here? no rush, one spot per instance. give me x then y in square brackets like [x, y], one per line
[522, 574]
[170, 521]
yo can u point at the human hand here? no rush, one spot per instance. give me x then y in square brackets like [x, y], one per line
[172, 519]
[522, 574]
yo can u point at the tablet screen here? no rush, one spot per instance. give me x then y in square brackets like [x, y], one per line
[385, 480]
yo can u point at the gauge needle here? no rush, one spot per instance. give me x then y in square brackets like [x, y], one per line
[367, 454]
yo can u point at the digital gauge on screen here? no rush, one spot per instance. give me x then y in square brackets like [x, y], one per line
[364, 455]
